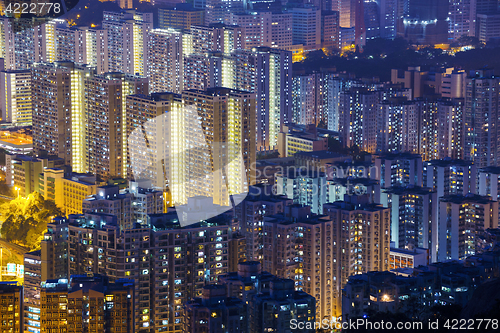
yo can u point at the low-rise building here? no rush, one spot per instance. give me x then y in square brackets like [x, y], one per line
[67, 190]
[23, 171]
[16, 142]
[401, 258]
[215, 312]
[294, 138]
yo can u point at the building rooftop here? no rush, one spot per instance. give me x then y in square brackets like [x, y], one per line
[398, 156]
[185, 7]
[410, 189]
[471, 198]
[350, 206]
[449, 162]
[321, 154]
[355, 181]
[300, 173]
[170, 221]
[408, 252]
[491, 169]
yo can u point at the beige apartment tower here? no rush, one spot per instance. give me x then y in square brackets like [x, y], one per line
[361, 237]
[106, 134]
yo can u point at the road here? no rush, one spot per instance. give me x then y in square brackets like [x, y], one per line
[12, 250]
[6, 197]
[16, 248]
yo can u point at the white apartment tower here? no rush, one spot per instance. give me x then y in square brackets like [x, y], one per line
[15, 97]
[267, 73]
[128, 36]
[166, 63]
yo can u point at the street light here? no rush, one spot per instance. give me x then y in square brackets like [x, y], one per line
[17, 189]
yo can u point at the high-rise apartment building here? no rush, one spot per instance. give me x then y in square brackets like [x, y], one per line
[87, 303]
[487, 26]
[388, 18]
[399, 169]
[452, 83]
[481, 115]
[441, 133]
[203, 71]
[219, 11]
[413, 78]
[304, 99]
[306, 138]
[106, 130]
[55, 41]
[59, 111]
[489, 182]
[199, 143]
[486, 6]
[168, 264]
[45, 40]
[397, 126]
[216, 38]
[259, 203]
[462, 19]
[279, 307]
[413, 217]
[109, 200]
[50, 262]
[298, 245]
[313, 99]
[145, 200]
[32, 284]
[218, 130]
[461, 223]
[433, 129]
[329, 30]
[166, 71]
[17, 42]
[448, 177]
[337, 188]
[214, 312]
[181, 16]
[351, 14]
[357, 118]
[306, 27]
[305, 187]
[263, 28]
[372, 20]
[273, 302]
[11, 296]
[128, 41]
[267, 73]
[15, 97]
[360, 237]
[380, 18]
[149, 114]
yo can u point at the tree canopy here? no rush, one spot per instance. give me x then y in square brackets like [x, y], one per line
[25, 219]
[381, 55]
